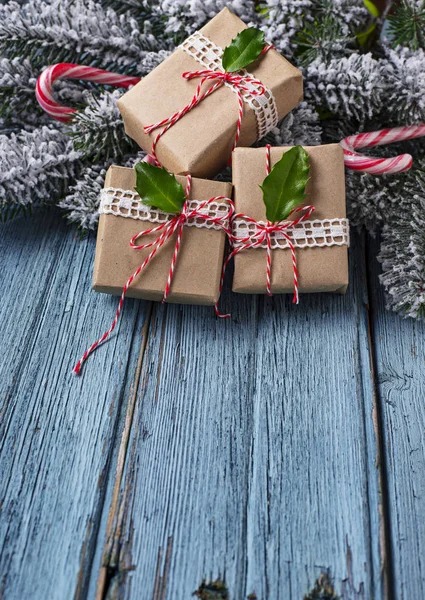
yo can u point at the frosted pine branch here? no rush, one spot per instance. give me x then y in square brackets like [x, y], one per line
[402, 257]
[404, 76]
[285, 20]
[184, 17]
[350, 87]
[81, 203]
[73, 31]
[35, 169]
[98, 130]
[302, 126]
[373, 201]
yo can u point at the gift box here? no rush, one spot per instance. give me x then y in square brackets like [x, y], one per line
[197, 271]
[202, 140]
[320, 243]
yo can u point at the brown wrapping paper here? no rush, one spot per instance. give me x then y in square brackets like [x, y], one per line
[201, 142]
[320, 269]
[197, 274]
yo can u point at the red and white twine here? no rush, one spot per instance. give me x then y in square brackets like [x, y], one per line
[240, 83]
[261, 235]
[165, 230]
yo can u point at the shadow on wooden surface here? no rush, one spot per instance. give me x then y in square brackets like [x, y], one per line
[194, 449]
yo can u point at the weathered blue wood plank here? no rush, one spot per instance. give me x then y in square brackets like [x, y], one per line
[56, 431]
[252, 454]
[400, 360]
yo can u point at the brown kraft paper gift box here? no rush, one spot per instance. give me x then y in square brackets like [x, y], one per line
[321, 269]
[201, 142]
[198, 269]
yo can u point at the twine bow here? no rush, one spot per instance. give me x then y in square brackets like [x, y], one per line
[165, 230]
[262, 234]
[239, 82]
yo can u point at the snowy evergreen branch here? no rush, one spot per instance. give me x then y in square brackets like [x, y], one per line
[402, 256]
[404, 80]
[81, 203]
[185, 17]
[351, 87]
[373, 201]
[73, 31]
[98, 130]
[407, 24]
[287, 22]
[321, 41]
[302, 126]
[35, 169]
[17, 84]
[145, 12]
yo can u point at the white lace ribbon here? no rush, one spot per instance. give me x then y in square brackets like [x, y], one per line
[209, 55]
[127, 203]
[307, 234]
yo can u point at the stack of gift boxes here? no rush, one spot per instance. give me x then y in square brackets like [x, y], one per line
[187, 114]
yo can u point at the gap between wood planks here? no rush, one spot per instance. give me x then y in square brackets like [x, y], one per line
[387, 564]
[113, 526]
[110, 565]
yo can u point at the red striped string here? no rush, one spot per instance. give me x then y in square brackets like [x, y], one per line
[239, 82]
[262, 235]
[268, 235]
[166, 230]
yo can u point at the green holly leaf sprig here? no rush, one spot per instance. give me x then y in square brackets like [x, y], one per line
[372, 7]
[159, 188]
[284, 187]
[243, 50]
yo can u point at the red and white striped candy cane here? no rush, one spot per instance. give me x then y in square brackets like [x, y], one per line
[378, 166]
[44, 92]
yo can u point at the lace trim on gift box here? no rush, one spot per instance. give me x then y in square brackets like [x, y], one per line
[209, 55]
[307, 234]
[126, 203]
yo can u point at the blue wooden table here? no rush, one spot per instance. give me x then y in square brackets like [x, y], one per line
[239, 459]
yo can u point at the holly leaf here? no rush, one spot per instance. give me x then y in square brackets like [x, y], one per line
[159, 188]
[372, 8]
[243, 49]
[284, 187]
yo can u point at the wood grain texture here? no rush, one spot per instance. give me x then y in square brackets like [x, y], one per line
[57, 431]
[400, 360]
[252, 454]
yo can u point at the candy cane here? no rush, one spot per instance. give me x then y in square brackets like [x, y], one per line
[352, 159]
[45, 82]
[378, 166]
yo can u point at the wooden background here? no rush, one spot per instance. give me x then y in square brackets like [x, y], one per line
[240, 459]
